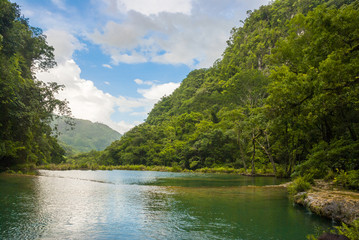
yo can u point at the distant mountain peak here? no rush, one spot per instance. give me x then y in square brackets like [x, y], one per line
[84, 135]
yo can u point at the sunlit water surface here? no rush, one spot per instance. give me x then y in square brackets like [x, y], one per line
[149, 205]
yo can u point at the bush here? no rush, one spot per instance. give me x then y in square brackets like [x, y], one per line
[348, 179]
[281, 173]
[299, 185]
[352, 232]
[330, 176]
[340, 153]
[193, 165]
[176, 167]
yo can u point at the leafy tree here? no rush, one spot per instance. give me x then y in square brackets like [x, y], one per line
[314, 93]
[26, 104]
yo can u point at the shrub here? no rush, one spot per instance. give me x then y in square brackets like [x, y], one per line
[300, 184]
[348, 179]
[352, 231]
[281, 173]
[330, 176]
[193, 165]
[340, 153]
[176, 167]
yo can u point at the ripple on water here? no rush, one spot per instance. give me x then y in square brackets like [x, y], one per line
[148, 205]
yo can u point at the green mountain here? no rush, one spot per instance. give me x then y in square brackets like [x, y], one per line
[284, 98]
[84, 135]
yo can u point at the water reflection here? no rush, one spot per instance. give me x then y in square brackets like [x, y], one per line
[230, 213]
[148, 205]
[18, 211]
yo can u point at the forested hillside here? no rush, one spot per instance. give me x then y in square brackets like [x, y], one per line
[283, 97]
[26, 104]
[84, 135]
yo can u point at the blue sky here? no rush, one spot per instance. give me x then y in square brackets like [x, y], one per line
[117, 58]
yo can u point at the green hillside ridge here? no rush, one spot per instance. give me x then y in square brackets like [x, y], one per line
[84, 135]
[284, 98]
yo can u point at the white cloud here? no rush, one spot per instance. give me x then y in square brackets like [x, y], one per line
[64, 43]
[88, 102]
[85, 100]
[141, 82]
[156, 92]
[107, 83]
[128, 104]
[123, 126]
[143, 105]
[194, 35]
[107, 66]
[134, 57]
[148, 7]
[59, 3]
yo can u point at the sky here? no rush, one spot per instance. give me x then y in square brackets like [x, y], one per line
[117, 58]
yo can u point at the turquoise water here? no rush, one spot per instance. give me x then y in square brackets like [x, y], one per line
[149, 205]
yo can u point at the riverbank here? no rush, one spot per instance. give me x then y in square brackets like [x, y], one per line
[227, 170]
[327, 200]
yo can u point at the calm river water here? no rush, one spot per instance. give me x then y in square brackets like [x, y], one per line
[149, 205]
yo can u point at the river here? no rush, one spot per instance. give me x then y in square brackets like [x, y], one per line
[149, 205]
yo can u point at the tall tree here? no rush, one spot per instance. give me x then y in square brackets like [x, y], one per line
[315, 88]
[26, 104]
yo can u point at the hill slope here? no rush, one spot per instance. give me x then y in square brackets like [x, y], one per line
[284, 98]
[85, 135]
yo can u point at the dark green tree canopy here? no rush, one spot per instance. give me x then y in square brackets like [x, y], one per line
[26, 104]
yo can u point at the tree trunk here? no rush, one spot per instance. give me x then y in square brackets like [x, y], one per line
[241, 150]
[243, 159]
[266, 150]
[254, 154]
[352, 133]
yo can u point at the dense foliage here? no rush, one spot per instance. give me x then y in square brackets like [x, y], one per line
[26, 104]
[83, 135]
[284, 97]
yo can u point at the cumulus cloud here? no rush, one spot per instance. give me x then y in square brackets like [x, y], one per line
[156, 92]
[148, 7]
[107, 66]
[64, 43]
[141, 106]
[195, 34]
[85, 100]
[164, 38]
[141, 82]
[123, 126]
